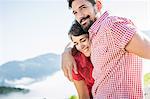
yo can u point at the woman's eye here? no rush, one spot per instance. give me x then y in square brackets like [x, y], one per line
[75, 44]
[83, 40]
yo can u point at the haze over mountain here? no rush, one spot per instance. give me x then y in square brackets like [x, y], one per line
[34, 68]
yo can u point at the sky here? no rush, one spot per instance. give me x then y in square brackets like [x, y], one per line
[29, 28]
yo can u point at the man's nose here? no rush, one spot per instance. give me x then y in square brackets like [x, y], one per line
[80, 16]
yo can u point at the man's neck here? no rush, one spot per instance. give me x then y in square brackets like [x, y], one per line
[99, 14]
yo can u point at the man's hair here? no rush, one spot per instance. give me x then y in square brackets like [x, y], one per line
[70, 2]
[76, 30]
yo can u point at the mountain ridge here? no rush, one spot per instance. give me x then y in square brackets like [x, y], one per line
[36, 68]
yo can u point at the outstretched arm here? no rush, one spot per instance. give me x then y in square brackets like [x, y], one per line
[139, 45]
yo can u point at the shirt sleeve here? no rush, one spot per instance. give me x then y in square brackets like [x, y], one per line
[122, 30]
[76, 76]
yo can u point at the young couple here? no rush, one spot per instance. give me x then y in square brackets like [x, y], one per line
[115, 48]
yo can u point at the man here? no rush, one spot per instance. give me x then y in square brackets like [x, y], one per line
[116, 45]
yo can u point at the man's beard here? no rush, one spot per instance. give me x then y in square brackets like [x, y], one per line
[88, 26]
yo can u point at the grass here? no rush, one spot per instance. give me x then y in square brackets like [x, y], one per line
[147, 79]
[73, 97]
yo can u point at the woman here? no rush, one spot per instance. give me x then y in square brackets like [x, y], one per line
[83, 81]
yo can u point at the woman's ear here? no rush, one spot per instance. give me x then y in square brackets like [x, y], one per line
[99, 5]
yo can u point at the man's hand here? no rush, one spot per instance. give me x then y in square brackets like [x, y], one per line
[68, 63]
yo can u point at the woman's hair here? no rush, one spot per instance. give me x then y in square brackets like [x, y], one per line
[76, 30]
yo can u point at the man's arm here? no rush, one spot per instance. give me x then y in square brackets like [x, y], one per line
[139, 45]
[68, 63]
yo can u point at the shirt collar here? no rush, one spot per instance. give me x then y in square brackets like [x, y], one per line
[96, 25]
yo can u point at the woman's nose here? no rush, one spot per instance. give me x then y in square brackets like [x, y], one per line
[81, 46]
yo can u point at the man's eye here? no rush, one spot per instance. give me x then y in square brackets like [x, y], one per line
[83, 7]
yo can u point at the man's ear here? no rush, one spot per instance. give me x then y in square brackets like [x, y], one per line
[99, 5]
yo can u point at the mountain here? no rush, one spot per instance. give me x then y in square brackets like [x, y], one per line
[34, 68]
[8, 90]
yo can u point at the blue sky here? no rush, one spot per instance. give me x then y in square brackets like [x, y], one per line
[33, 27]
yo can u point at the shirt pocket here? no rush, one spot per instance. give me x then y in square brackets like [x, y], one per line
[100, 44]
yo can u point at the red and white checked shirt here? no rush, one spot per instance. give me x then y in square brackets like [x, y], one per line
[117, 73]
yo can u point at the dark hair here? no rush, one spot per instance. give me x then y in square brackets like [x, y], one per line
[76, 29]
[70, 2]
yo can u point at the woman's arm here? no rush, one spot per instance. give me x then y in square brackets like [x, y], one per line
[82, 89]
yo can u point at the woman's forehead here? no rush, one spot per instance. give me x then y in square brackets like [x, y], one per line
[79, 37]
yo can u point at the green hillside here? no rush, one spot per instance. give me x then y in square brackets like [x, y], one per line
[73, 97]
[7, 90]
[147, 79]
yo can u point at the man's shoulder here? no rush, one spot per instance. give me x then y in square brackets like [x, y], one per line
[118, 19]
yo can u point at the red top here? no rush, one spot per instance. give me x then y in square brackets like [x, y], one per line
[85, 69]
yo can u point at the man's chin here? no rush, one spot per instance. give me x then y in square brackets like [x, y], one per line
[86, 29]
[87, 26]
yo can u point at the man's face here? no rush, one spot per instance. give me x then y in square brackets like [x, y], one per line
[84, 12]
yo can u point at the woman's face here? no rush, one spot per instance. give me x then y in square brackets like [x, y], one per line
[82, 44]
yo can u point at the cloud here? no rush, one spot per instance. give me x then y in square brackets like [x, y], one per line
[54, 87]
[22, 81]
[146, 66]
